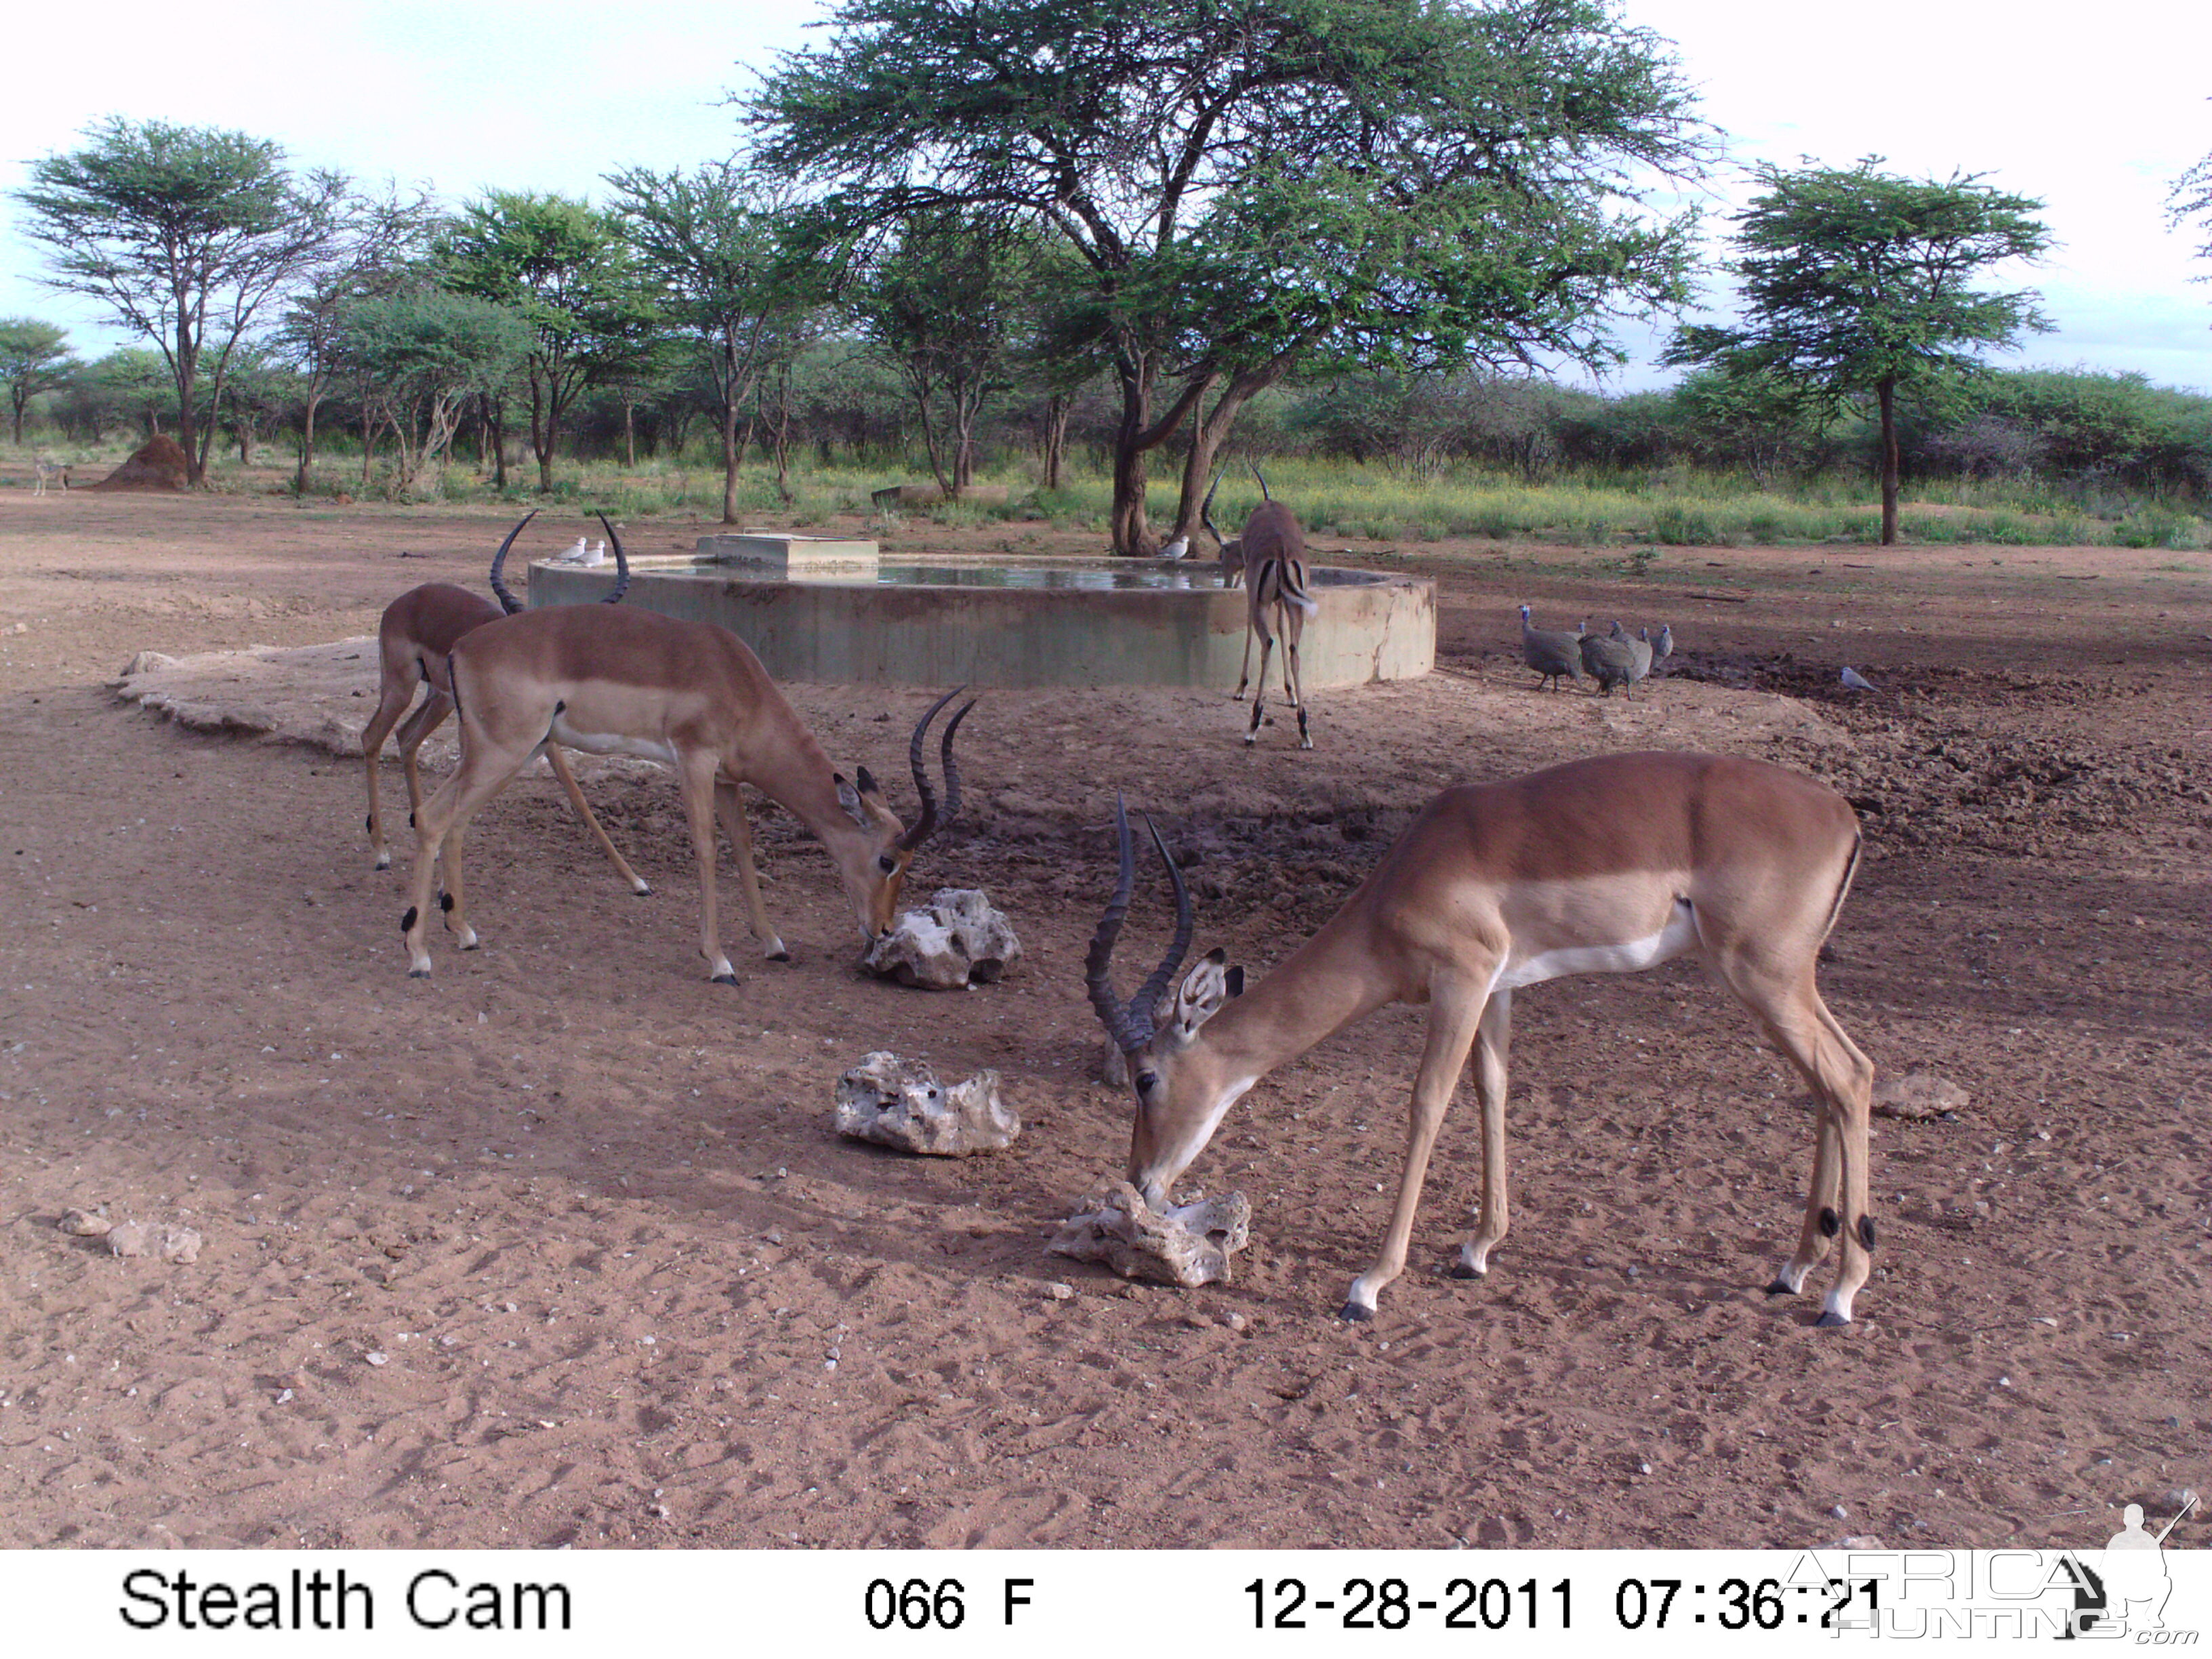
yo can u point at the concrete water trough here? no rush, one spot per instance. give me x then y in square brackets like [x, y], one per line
[835, 612]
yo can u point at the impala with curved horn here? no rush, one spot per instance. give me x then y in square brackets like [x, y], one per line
[416, 633]
[693, 697]
[1601, 865]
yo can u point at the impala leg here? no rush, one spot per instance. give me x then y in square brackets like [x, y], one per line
[1244, 669]
[1789, 1006]
[1455, 1014]
[397, 694]
[454, 900]
[481, 776]
[730, 807]
[1259, 687]
[699, 810]
[562, 771]
[420, 725]
[1493, 1039]
[1294, 677]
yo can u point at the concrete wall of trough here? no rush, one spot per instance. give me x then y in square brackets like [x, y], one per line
[869, 634]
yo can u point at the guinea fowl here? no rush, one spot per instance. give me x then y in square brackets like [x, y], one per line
[1612, 659]
[1552, 653]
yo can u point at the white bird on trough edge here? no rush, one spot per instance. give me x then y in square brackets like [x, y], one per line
[1176, 549]
[1857, 681]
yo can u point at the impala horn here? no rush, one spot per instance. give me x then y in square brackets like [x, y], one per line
[1206, 507]
[1132, 1026]
[621, 565]
[930, 822]
[508, 602]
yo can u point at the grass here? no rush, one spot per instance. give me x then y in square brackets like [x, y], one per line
[1340, 501]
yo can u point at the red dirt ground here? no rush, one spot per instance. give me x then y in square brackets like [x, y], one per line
[629, 1288]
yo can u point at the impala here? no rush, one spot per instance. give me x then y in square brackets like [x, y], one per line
[693, 697]
[1273, 549]
[1607, 864]
[416, 633]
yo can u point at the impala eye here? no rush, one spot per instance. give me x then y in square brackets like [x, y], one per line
[887, 864]
[1146, 1081]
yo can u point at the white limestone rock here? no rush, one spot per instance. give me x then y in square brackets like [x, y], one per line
[1189, 1244]
[958, 939]
[171, 1243]
[1918, 1095]
[898, 1102]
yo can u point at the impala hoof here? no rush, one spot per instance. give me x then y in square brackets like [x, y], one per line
[779, 956]
[418, 973]
[1830, 1320]
[1460, 1270]
[724, 979]
[384, 860]
[1353, 1313]
[642, 891]
[1781, 1286]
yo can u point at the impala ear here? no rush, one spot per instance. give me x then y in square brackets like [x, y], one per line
[849, 799]
[868, 784]
[1203, 990]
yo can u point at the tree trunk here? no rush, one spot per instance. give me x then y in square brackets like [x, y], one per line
[1056, 410]
[19, 401]
[1886, 391]
[1133, 438]
[630, 435]
[306, 474]
[1213, 431]
[731, 451]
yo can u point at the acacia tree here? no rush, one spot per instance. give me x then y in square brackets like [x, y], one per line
[34, 357]
[1384, 182]
[948, 305]
[1858, 284]
[421, 356]
[566, 268]
[185, 233]
[714, 247]
[376, 244]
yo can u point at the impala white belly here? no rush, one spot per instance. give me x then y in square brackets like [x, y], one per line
[611, 743]
[1626, 957]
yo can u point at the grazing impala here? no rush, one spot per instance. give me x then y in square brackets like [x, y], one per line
[1601, 865]
[415, 635]
[692, 696]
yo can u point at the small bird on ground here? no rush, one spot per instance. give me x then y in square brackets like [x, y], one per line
[1857, 681]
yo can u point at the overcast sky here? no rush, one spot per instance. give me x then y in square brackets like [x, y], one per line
[2095, 117]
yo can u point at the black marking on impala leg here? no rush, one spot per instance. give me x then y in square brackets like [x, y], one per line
[1831, 1224]
[369, 824]
[407, 921]
[445, 902]
[411, 818]
[1866, 1232]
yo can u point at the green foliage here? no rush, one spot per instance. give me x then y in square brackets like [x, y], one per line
[34, 357]
[184, 234]
[566, 269]
[1853, 278]
[1379, 182]
[1857, 283]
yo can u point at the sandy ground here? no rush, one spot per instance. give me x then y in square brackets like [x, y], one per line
[560, 1247]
